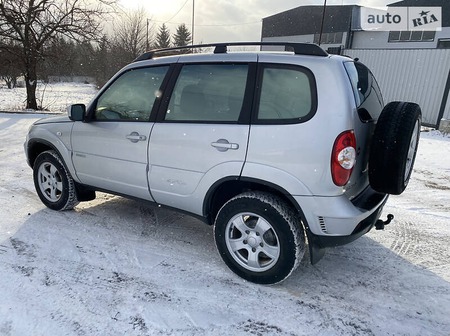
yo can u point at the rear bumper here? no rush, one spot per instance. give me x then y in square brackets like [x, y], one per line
[362, 228]
[339, 216]
[338, 221]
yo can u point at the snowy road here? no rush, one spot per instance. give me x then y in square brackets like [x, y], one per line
[120, 267]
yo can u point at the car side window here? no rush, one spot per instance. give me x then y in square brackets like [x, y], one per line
[366, 91]
[208, 93]
[362, 81]
[287, 95]
[131, 96]
[353, 76]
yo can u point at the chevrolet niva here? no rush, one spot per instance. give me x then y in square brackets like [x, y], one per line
[278, 150]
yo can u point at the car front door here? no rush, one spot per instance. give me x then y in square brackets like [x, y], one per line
[110, 151]
[202, 132]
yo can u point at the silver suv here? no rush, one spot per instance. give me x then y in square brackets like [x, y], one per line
[277, 150]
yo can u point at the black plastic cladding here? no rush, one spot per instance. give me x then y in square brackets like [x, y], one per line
[221, 48]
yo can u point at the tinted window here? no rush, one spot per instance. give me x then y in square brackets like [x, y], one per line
[428, 35]
[131, 96]
[366, 90]
[361, 79]
[286, 94]
[329, 38]
[353, 76]
[407, 36]
[208, 92]
[394, 36]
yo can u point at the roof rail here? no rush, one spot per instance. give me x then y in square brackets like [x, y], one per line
[222, 48]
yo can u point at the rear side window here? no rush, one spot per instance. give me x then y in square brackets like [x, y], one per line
[362, 81]
[354, 80]
[287, 95]
[366, 91]
[208, 93]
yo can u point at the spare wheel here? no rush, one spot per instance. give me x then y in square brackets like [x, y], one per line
[394, 146]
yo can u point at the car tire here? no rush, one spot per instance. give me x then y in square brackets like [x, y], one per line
[54, 184]
[259, 237]
[394, 147]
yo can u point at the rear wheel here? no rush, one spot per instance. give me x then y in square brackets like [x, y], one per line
[394, 147]
[54, 185]
[259, 237]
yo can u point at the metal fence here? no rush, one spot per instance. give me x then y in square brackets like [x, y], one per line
[416, 75]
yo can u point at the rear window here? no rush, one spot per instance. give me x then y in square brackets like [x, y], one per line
[287, 94]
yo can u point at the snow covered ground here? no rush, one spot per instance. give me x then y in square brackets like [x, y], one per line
[116, 266]
[52, 97]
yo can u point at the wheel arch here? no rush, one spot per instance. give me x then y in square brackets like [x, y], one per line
[228, 187]
[36, 147]
[67, 198]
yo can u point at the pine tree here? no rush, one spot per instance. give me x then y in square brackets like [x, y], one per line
[163, 37]
[182, 36]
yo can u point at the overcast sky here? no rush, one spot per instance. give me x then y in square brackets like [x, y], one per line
[226, 20]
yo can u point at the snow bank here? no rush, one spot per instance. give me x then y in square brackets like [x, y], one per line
[53, 98]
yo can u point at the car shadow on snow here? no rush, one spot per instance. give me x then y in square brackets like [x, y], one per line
[112, 255]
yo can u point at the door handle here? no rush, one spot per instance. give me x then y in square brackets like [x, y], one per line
[135, 137]
[222, 145]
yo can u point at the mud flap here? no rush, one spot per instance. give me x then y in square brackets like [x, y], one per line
[316, 252]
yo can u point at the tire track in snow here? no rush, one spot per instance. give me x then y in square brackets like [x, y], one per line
[7, 123]
[3, 249]
[16, 121]
[406, 240]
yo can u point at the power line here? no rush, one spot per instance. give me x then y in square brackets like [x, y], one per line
[212, 25]
[227, 24]
[175, 13]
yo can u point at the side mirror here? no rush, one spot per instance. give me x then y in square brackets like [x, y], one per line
[76, 112]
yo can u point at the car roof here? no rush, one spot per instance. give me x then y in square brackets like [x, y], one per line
[222, 48]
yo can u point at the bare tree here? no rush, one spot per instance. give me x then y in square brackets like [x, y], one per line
[104, 61]
[30, 24]
[8, 67]
[130, 35]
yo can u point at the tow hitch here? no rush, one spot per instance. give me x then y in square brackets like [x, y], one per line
[379, 225]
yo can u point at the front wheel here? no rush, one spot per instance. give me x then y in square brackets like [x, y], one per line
[54, 184]
[259, 237]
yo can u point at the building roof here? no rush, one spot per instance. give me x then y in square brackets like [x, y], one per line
[419, 3]
[307, 20]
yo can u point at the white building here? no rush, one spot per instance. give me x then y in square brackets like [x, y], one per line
[409, 65]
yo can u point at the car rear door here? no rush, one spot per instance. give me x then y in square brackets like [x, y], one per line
[202, 132]
[369, 103]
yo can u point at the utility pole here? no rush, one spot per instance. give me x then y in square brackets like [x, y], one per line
[146, 36]
[193, 13]
[323, 19]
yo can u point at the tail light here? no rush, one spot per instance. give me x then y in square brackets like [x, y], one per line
[343, 158]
